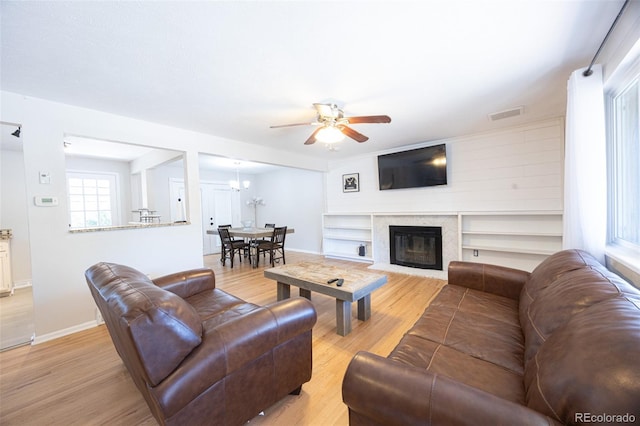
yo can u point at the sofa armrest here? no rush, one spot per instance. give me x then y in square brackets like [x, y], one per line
[187, 283]
[386, 392]
[499, 280]
[230, 346]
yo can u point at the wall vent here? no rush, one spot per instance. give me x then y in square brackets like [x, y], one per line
[494, 116]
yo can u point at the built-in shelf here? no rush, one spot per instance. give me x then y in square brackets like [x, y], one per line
[343, 234]
[365, 228]
[538, 234]
[339, 255]
[510, 250]
[515, 239]
[346, 238]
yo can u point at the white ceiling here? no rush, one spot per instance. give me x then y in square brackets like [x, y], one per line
[233, 68]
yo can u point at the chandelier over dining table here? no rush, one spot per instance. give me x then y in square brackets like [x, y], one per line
[235, 184]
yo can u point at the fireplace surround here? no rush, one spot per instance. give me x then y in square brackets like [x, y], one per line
[416, 246]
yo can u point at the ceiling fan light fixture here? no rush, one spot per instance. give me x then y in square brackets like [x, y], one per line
[334, 126]
[329, 135]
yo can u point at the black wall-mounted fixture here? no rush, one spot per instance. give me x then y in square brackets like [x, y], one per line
[17, 132]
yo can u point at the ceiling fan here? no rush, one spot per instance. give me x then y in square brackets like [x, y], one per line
[333, 125]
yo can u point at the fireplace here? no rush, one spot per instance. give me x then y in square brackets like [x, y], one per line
[416, 246]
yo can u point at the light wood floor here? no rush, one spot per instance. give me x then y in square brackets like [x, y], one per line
[16, 318]
[80, 380]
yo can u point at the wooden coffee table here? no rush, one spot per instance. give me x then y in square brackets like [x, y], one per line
[309, 277]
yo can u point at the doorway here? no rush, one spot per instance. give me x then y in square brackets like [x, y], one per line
[16, 303]
[220, 206]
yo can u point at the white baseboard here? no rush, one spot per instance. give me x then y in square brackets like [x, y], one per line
[303, 251]
[21, 284]
[64, 332]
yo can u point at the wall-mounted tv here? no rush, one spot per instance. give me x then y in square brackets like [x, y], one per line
[414, 168]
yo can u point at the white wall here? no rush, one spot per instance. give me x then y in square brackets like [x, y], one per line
[62, 302]
[516, 169]
[293, 198]
[13, 214]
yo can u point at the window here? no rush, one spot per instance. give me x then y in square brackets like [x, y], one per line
[623, 125]
[92, 199]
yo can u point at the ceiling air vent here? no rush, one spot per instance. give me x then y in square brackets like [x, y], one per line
[506, 114]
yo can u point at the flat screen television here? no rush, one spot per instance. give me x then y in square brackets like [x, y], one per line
[414, 168]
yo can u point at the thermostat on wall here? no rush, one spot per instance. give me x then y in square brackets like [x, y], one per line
[43, 201]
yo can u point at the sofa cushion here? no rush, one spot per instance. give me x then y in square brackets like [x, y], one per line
[470, 336]
[441, 359]
[550, 270]
[466, 319]
[477, 302]
[164, 328]
[573, 292]
[589, 365]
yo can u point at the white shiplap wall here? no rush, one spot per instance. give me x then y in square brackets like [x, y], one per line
[515, 169]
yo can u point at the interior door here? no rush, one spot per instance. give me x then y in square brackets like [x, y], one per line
[177, 196]
[218, 206]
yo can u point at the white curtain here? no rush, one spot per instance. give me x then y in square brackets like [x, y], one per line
[585, 174]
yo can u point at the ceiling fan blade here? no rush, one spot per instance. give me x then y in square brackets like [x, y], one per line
[291, 125]
[348, 131]
[312, 138]
[369, 119]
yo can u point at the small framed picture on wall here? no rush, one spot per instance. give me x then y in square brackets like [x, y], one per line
[351, 182]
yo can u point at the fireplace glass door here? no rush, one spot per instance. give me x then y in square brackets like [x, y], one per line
[416, 246]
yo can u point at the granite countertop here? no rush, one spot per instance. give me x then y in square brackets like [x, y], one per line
[130, 225]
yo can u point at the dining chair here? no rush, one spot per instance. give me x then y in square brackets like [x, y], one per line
[267, 226]
[223, 253]
[274, 245]
[230, 247]
[229, 227]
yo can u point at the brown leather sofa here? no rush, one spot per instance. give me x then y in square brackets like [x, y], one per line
[197, 354]
[500, 346]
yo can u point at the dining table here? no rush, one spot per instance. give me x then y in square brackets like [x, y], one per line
[251, 234]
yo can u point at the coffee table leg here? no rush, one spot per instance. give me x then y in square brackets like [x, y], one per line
[364, 308]
[284, 291]
[305, 293]
[343, 317]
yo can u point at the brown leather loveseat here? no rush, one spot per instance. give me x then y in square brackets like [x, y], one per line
[197, 354]
[560, 345]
